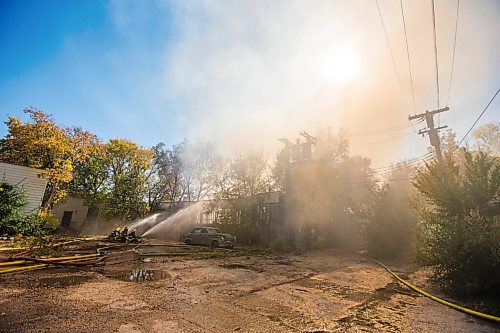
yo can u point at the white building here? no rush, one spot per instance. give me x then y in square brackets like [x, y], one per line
[27, 179]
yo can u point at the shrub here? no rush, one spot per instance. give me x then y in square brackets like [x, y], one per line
[463, 252]
[12, 220]
[388, 224]
[460, 230]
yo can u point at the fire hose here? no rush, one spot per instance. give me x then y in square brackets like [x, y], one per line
[434, 298]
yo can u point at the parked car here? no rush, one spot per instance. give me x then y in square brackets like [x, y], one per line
[210, 237]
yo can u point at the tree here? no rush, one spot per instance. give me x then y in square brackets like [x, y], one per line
[332, 148]
[90, 179]
[183, 172]
[488, 138]
[459, 232]
[44, 145]
[127, 165]
[200, 168]
[388, 219]
[165, 177]
[243, 177]
[12, 220]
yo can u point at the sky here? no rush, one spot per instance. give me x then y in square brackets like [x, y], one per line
[242, 74]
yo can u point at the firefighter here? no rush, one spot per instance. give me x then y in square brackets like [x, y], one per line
[115, 234]
[124, 235]
[132, 237]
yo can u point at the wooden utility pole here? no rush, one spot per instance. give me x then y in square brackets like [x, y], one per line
[431, 130]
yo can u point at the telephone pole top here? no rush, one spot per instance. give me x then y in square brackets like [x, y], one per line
[431, 130]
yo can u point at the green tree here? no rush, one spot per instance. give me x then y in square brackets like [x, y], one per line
[127, 164]
[12, 220]
[90, 180]
[460, 226]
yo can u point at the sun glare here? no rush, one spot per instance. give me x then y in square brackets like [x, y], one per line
[342, 66]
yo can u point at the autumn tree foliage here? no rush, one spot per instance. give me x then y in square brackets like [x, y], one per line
[113, 179]
[40, 143]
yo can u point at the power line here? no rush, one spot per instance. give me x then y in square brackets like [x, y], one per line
[397, 167]
[405, 162]
[369, 181]
[382, 141]
[390, 169]
[453, 57]
[408, 56]
[381, 131]
[486, 108]
[435, 51]
[392, 55]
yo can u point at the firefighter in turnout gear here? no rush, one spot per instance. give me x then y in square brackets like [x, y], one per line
[132, 237]
[115, 235]
[124, 235]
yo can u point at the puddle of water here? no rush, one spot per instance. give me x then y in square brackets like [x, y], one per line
[136, 274]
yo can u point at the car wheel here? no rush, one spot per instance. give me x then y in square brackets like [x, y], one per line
[215, 244]
[187, 241]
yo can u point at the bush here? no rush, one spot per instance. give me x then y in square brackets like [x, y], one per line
[388, 224]
[463, 252]
[460, 230]
[12, 220]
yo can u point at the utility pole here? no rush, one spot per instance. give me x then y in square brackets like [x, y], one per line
[433, 132]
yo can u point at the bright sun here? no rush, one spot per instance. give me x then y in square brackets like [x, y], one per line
[342, 66]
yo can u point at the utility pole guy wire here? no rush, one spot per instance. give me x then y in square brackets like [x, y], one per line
[486, 108]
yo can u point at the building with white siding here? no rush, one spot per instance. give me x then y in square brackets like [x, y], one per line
[71, 212]
[27, 179]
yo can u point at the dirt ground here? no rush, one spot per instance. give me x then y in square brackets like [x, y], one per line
[313, 292]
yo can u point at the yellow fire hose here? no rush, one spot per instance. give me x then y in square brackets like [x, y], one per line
[72, 259]
[57, 244]
[39, 266]
[437, 299]
[20, 262]
[12, 263]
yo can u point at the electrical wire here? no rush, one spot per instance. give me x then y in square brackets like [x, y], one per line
[392, 55]
[383, 141]
[395, 167]
[435, 51]
[453, 57]
[405, 162]
[381, 131]
[408, 56]
[486, 108]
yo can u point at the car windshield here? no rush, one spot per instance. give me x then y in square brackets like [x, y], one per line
[213, 231]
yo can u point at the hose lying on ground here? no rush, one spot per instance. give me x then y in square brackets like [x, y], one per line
[73, 260]
[56, 259]
[437, 299]
[60, 262]
[40, 266]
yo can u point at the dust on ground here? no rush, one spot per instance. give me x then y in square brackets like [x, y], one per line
[313, 292]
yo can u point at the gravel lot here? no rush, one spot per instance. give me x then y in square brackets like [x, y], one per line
[314, 292]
